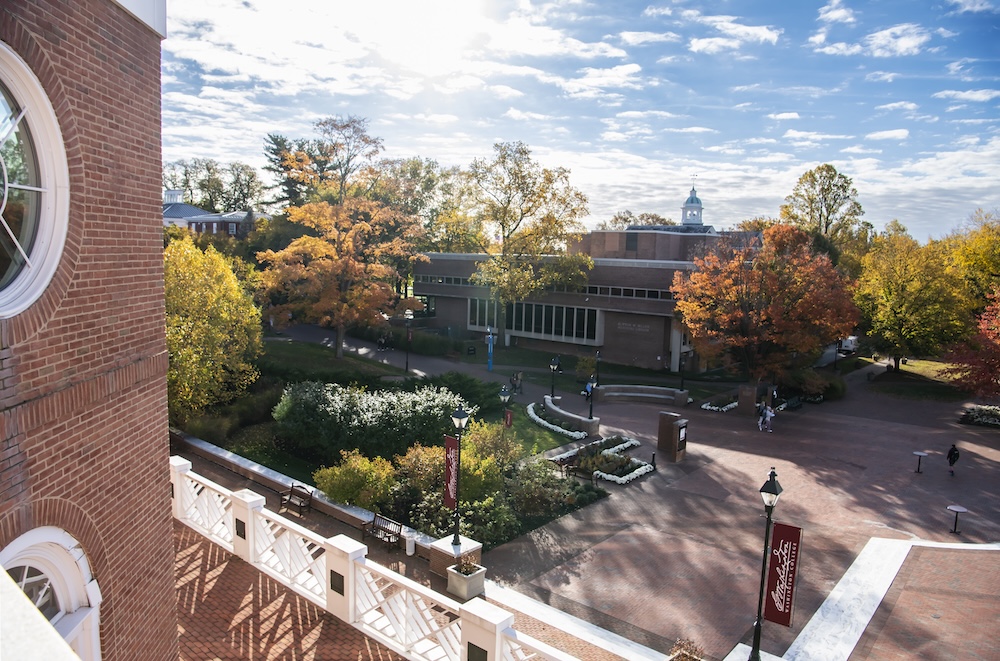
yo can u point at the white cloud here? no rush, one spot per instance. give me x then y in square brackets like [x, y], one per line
[505, 91]
[972, 5]
[819, 38]
[959, 67]
[898, 105]
[691, 129]
[761, 141]
[713, 45]
[836, 12]
[902, 39]
[840, 48]
[594, 81]
[881, 77]
[968, 95]
[642, 114]
[520, 115]
[783, 115]
[793, 134]
[859, 149]
[639, 38]
[657, 11]
[892, 134]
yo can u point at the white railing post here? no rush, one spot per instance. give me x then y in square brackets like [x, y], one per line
[482, 626]
[245, 504]
[342, 553]
[179, 466]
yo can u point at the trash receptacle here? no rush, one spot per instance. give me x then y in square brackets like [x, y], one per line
[411, 543]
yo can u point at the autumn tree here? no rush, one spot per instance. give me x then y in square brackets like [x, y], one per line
[625, 219]
[976, 363]
[213, 329]
[522, 216]
[771, 306]
[975, 254]
[912, 302]
[825, 204]
[340, 273]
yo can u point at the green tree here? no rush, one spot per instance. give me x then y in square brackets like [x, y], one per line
[523, 216]
[624, 219]
[213, 330]
[216, 188]
[912, 303]
[772, 307]
[825, 204]
[976, 363]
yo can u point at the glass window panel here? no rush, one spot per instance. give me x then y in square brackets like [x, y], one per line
[581, 322]
[591, 324]
[557, 326]
[616, 291]
[537, 325]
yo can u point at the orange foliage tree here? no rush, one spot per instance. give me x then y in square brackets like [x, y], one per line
[341, 273]
[772, 306]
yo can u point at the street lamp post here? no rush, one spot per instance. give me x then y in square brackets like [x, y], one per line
[504, 398]
[590, 394]
[409, 341]
[682, 365]
[554, 365]
[769, 494]
[597, 379]
[459, 418]
[489, 349]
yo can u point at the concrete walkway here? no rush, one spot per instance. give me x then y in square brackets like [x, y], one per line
[676, 554]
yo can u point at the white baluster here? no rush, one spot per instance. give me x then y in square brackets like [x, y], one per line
[179, 467]
[246, 504]
[482, 626]
[342, 555]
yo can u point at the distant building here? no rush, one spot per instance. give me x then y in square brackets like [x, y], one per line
[179, 213]
[626, 310]
[85, 515]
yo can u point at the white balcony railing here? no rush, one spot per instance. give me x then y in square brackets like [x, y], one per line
[335, 574]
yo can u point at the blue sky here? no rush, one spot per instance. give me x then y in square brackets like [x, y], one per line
[639, 100]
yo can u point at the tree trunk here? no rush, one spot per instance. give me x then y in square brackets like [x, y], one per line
[340, 340]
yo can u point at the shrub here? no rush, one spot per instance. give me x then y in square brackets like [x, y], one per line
[212, 428]
[358, 480]
[323, 419]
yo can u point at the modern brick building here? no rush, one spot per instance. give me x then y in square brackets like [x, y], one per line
[626, 310]
[85, 517]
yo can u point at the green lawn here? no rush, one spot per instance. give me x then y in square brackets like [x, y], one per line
[919, 379]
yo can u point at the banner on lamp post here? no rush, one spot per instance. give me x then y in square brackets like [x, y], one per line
[782, 567]
[508, 418]
[450, 472]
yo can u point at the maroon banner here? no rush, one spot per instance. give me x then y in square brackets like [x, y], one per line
[782, 567]
[508, 418]
[450, 472]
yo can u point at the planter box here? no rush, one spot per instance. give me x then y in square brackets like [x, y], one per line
[464, 586]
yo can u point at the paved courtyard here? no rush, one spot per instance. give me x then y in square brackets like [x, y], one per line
[676, 554]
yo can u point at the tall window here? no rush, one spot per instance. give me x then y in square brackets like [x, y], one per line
[34, 201]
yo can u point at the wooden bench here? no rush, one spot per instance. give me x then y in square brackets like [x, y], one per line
[793, 403]
[299, 496]
[380, 527]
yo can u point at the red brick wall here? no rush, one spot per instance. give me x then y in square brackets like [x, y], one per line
[83, 429]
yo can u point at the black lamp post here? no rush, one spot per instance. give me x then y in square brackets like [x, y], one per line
[682, 365]
[409, 341]
[504, 398]
[459, 418]
[769, 494]
[597, 379]
[590, 394]
[554, 366]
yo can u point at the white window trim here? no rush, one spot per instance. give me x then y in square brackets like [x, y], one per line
[50, 152]
[61, 557]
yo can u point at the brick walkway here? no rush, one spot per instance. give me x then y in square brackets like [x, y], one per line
[228, 610]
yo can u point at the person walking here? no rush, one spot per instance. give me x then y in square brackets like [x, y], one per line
[952, 458]
[761, 410]
[768, 416]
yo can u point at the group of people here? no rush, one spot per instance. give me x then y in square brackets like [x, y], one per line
[516, 383]
[765, 414]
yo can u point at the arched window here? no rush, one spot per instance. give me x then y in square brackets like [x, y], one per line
[50, 566]
[34, 186]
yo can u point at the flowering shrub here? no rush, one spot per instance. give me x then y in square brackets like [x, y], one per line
[988, 416]
[604, 458]
[709, 406]
[575, 435]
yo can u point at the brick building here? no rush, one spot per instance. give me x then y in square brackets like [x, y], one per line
[85, 518]
[626, 310]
